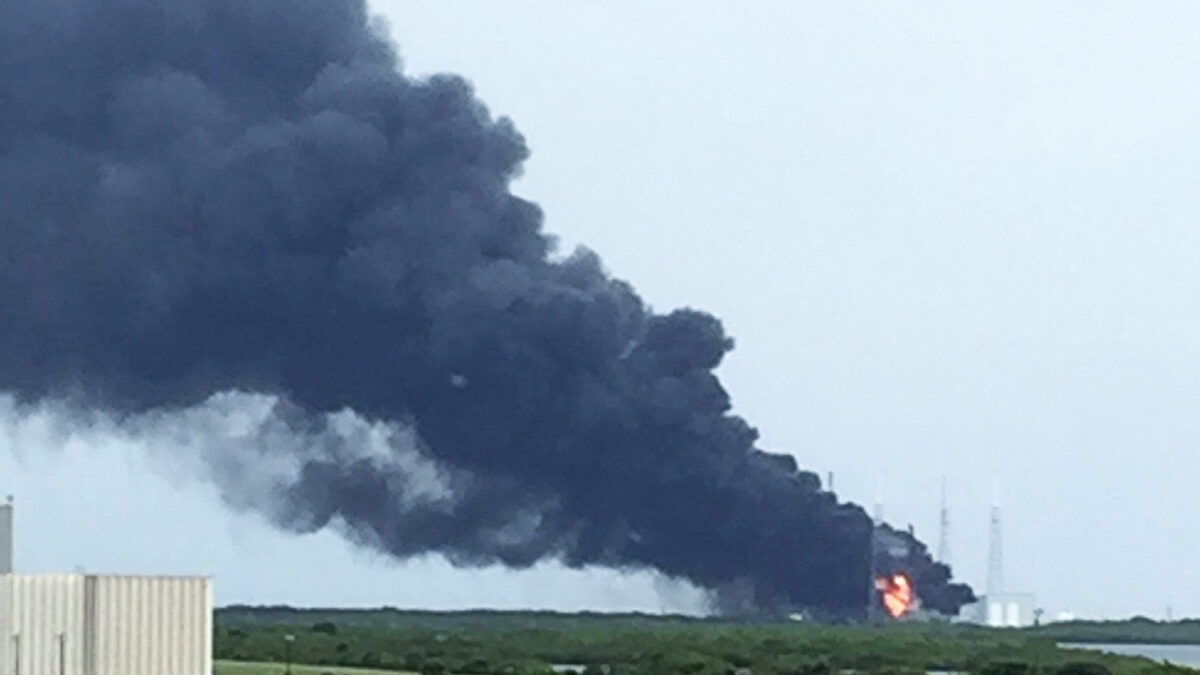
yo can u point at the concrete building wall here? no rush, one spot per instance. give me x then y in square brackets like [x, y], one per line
[994, 612]
[6, 539]
[1012, 614]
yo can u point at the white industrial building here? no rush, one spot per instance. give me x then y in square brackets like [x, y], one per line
[1002, 610]
[84, 624]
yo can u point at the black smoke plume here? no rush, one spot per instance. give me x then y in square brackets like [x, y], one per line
[206, 196]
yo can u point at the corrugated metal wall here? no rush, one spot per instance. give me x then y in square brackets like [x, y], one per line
[47, 625]
[6, 627]
[91, 625]
[149, 626]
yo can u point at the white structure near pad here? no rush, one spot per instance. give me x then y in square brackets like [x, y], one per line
[1003, 610]
[999, 608]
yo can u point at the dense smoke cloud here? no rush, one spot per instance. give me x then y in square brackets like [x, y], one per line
[205, 196]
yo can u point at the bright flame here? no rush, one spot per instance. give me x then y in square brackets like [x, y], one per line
[897, 594]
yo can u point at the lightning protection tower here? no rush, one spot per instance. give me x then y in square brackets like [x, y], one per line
[878, 514]
[944, 532]
[995, 575]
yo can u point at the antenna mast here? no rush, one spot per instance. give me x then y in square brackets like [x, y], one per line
[944, 534]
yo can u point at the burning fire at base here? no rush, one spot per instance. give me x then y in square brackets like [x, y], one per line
[897, 594]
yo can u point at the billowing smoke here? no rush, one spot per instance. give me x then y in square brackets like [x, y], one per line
[200, 197]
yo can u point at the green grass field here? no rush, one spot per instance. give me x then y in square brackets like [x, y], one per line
[248, 668]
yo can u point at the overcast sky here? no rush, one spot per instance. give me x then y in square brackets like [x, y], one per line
[950, 239]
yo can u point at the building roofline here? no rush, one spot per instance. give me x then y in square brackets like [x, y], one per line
[92, 575]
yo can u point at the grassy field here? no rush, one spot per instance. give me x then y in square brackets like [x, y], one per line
[246, 668]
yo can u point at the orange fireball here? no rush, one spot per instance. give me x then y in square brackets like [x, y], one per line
[897, 594]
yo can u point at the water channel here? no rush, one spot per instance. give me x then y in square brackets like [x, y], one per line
[1180, 655]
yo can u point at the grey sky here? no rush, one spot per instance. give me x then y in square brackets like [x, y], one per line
[949, 239]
